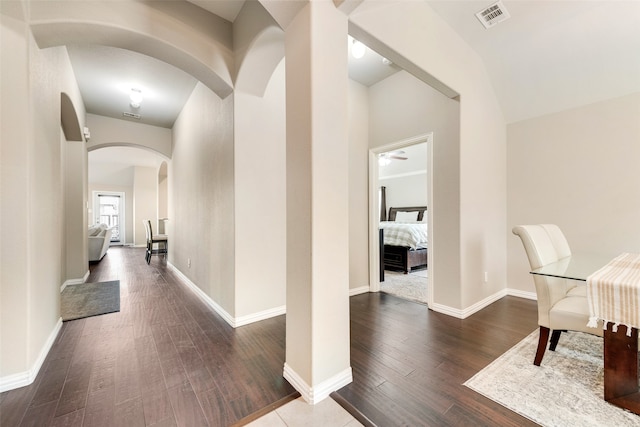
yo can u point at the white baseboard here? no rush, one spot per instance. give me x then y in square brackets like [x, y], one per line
[25, 378]
[317, 393]
[522, 294]
[261, 315]
[358, 291]
[464, 313]
[72, 282]
[232, 321]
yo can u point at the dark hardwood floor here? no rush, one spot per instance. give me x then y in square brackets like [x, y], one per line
[167, 359]
[409, 363]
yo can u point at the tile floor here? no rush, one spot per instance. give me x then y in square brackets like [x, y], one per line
[300, 413]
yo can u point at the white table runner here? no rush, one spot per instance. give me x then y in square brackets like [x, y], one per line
[613, 293]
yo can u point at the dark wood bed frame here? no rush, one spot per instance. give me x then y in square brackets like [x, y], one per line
[401, 257]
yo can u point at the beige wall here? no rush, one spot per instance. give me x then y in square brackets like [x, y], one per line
[107, 131]
[402, 107]
[14, 217]
[75, 216]
[145, 202]
[358, 186]
[32, 207]
[260, 198]
[577, 169]
[201, 191]
[469, 185]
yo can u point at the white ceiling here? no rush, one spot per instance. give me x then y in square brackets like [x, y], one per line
[553, 55]
[106, 76]
[549, 56]
[416, 161]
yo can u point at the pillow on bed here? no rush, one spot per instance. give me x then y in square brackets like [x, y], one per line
[406, 216]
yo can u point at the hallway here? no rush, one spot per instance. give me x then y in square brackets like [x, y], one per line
[164, 359]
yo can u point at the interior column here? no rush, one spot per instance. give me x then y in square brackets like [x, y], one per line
[317, 343]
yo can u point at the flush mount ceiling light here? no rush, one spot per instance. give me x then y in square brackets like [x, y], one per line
[136, 97]
[358, 49]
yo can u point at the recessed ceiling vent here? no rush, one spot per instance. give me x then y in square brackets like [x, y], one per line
[493, 15]
[131, 115]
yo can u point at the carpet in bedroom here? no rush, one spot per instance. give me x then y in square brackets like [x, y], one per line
[411, 286]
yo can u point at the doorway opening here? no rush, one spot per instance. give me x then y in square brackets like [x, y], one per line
[108, 208]
[402, 198]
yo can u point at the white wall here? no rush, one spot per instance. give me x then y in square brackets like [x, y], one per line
[405, 190]
[577, 169]
[201, 190]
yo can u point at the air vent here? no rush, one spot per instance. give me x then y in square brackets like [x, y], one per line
[131, 115]
[493, 15]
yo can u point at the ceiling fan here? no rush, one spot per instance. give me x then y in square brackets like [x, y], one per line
[385, 158]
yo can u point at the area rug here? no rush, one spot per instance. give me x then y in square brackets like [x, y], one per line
[566, 390]
[90, 299]
[412, 286]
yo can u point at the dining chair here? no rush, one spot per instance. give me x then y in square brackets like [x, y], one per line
[160, 239]
[562, 303]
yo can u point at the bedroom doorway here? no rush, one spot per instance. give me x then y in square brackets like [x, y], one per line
[404, 168]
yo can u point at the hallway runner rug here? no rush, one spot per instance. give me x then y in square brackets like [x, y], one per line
[90, 299]
[565, 390]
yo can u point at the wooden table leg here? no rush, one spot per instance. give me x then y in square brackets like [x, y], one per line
[621, 368]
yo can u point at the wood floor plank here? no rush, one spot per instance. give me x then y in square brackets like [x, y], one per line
[167, 359]
[186, 406]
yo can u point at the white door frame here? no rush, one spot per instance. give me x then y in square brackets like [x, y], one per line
[374, 210]
[121, 213]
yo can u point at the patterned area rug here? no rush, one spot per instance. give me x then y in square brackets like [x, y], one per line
[412, 286]
[566, 390]
[90, 299]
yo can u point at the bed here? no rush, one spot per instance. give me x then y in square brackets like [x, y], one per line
[403, 239]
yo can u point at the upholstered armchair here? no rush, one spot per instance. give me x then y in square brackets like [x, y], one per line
[99, 240]
[562, 303]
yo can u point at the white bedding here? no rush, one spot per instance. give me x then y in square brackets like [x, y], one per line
[408, 234]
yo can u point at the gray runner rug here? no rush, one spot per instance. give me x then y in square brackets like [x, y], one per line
[90, 299]
[565, 390]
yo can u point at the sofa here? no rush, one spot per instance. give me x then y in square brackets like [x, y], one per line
[99, 240]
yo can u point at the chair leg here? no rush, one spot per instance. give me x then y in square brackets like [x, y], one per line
[542, 345]
[555, 336]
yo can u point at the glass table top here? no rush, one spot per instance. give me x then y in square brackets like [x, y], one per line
[574, 267]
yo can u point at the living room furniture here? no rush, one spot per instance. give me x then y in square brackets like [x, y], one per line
[99, 240]
[160, 239]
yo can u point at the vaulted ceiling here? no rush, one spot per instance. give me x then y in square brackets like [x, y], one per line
[548, 56]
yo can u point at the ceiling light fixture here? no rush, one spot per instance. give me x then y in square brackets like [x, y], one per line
[358, 49]
[136, 97]
[384, 160]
